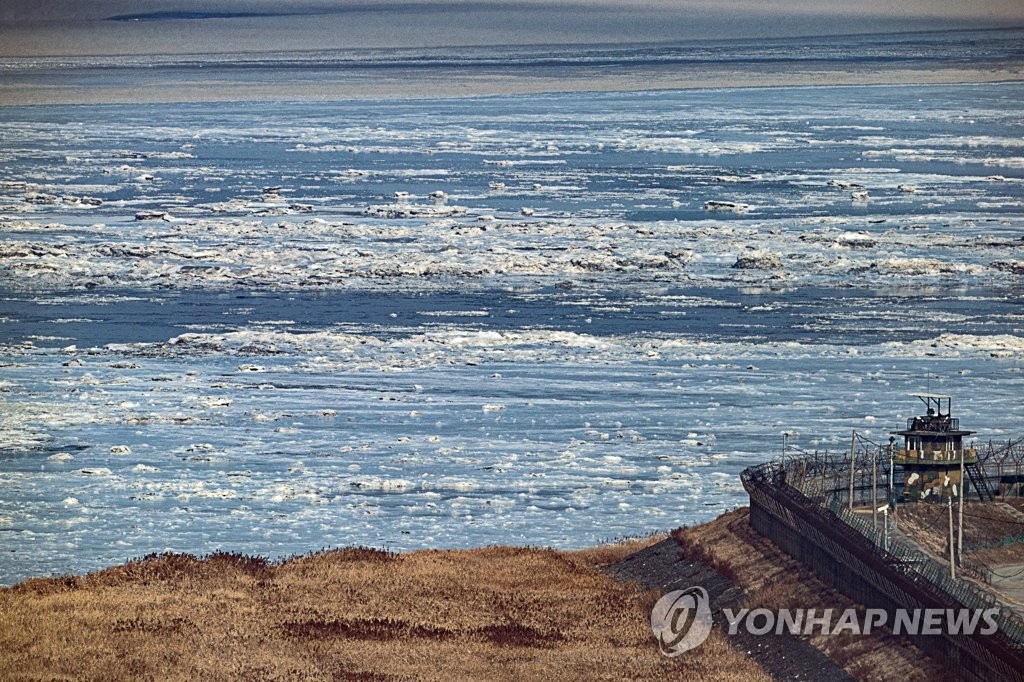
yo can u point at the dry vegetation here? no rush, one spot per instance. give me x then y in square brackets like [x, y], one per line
[993, 533]
[772, 579]
[361, 614]
[494, 613]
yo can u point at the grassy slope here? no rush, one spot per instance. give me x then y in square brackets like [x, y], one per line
[352, 614]
[493, 613]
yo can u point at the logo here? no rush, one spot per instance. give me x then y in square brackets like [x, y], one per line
[851, 621]
[681, 620]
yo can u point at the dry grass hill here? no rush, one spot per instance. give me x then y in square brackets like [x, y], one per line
[360, 614]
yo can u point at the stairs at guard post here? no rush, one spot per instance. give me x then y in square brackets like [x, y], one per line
[978, 481]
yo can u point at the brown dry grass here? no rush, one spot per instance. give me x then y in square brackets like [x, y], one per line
[614, 552]
[772, 579]
[494, 613]
[987, 526]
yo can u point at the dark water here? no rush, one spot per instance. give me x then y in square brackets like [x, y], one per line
[844, 316]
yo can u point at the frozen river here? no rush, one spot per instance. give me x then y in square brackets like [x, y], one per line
[275, 328]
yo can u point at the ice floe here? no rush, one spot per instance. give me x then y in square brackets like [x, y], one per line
[560, 320]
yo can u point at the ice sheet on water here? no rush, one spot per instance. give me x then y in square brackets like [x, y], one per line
[328, 254]
[328, 346]
[422, 447]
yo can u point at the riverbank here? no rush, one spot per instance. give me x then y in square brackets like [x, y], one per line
[489, 613]
[363, 614]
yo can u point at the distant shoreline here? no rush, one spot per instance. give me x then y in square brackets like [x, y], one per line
[143, 87]
[353, 73]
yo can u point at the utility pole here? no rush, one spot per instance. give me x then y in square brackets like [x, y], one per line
[892, 486]
[853, 451]
[892, 492]
[960, 512]
[952, 564]
[874, 492]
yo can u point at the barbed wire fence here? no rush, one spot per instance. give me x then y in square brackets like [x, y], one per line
[815, 495]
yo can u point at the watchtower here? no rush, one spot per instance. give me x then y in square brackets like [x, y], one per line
[933, 449]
